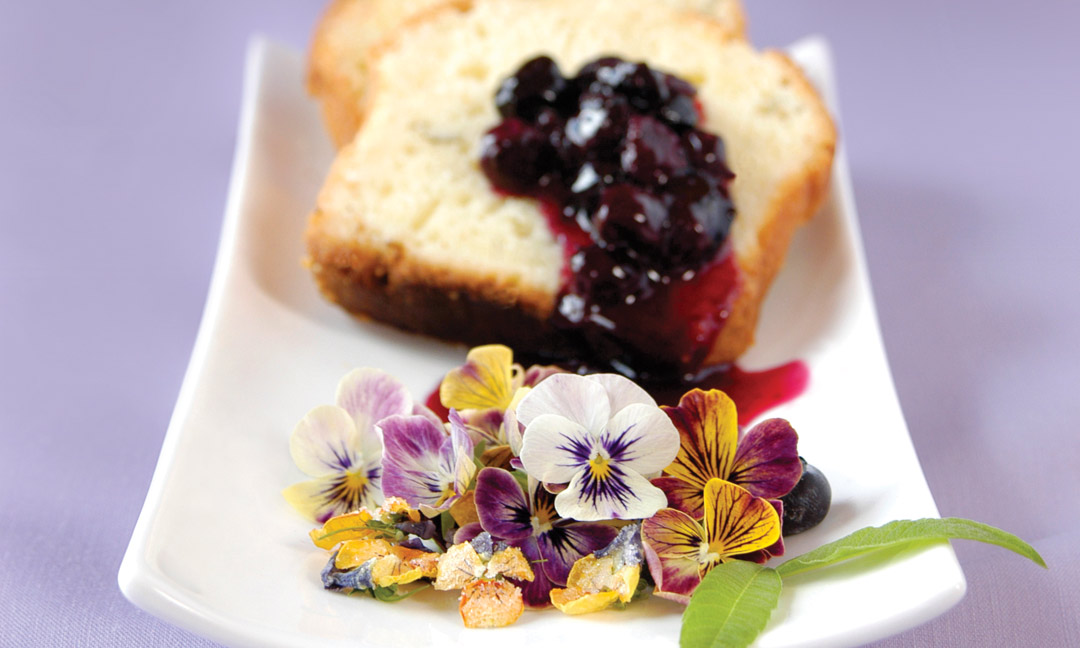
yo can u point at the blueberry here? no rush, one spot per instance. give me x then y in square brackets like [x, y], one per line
[516, 156]
[599, 122]
[537, 84]
[680, 112]
[651, 151]
[701, 216]
[631, 217]
[616, 152]
[706, 152]
[808, 503]
[605, 281]
[672, 86]
[604, 75]
[645, 88]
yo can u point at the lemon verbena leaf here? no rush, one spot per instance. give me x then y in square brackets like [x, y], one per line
[731, 606]
[902, 532]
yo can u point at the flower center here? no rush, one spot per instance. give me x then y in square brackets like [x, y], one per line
[711, 553]
[347, 489]
[355, 480]
[600, 466]
[447, 493]
[540, 525]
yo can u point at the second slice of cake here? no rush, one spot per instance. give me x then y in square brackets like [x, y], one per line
[410, 231]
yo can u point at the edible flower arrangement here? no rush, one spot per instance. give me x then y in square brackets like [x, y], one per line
[544, 488]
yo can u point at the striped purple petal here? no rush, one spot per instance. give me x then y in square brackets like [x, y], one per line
[609, 493]
[468, 532]
[501, 504]
[414, 465]
[555, 448]
[641, 438]
[536, 593]
[370, 395]
[767, 460]
[672, 541]
[563, 545]
[682, 495]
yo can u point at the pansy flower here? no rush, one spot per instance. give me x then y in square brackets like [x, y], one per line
[765, 460]
[488, 385]
[551, 543]
[602, 436]
[680, 550]
[425, 466]
[339, 446]
[600, 579]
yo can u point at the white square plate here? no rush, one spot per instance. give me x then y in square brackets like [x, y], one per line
[218, 551]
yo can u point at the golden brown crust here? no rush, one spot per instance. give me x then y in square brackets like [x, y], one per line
[325, 80]
[795, 203]
[380, 284]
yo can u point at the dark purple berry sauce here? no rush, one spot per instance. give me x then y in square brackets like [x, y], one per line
[638, 196]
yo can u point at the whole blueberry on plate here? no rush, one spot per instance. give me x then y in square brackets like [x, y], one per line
[808, 503]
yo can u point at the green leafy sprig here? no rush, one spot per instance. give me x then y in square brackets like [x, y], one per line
[735, 600]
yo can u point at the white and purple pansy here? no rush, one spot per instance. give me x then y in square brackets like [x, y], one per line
[604, 437]
[424, 465]
[551, 543]
[339, 446]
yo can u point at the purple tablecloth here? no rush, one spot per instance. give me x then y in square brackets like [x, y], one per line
[117, 124]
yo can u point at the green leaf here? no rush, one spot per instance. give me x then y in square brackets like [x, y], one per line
[730, 606]
[903, 532]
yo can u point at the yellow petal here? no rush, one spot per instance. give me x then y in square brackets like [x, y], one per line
[394, 505]
[490, 604]
[392, 570]
[464, 509]
[575, 601]
[485, 381]
[708, 425]
[628, 578]
[354, 553]
[509, 562]
[458, 566]
[593, 575]
[306, 497]
[340, 528]
[498, 456]
[427, 562]
[736, 522]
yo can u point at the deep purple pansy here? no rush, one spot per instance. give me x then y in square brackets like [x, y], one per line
[551, 543]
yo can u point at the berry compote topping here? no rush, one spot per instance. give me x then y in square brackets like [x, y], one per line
[639, 197]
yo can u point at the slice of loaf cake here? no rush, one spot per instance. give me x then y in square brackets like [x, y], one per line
[408, 229]
[338, 60]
